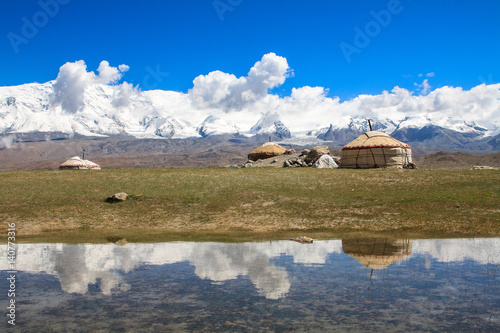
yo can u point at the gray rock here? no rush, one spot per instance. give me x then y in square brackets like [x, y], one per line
[316, 153]
[305, 152]
[117, 197]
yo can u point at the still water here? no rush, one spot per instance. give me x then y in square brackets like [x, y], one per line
[351, 285]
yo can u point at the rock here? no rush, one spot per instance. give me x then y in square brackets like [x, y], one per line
[302, 239]
[305, 152]
[325, 162]
[117, 197]
[316, 153]
[274, 161]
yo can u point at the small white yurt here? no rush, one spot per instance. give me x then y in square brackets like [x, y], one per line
[77, 163]
[375, 149]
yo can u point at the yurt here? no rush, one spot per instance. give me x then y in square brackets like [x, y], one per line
[376, 149]
[77, 163]
[267, 150]
[377, 253]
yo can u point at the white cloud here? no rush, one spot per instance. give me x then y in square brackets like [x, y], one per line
[224, 91]
[73, 78]
[8, 141]
[123, 94]
[108, 74]
[424, 87]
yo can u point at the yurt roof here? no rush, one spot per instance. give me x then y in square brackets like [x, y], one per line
[374, 139]
[267, 149]
[76, 161]
[377, 262]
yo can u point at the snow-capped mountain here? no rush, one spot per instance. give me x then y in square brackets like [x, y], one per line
[271, 124]
[109, 110]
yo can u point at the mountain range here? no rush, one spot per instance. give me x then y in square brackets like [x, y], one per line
[31, 110]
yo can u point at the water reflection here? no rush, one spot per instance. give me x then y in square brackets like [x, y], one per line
[78, 266]
[342, 285]
[377, 253]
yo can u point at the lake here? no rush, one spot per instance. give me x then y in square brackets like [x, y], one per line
[351, 285]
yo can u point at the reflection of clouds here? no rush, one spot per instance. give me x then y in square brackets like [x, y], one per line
[220, 262]
[79, 265]
[482, 250]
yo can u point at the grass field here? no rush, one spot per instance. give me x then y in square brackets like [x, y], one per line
[248, 203]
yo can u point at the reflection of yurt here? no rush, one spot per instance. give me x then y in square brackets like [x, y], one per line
[267, 150]
[377, 253]
[376, 149]
[77, 163]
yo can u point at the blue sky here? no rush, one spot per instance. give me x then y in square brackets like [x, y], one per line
[457, 41]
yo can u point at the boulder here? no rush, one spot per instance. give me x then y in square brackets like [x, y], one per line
[316, 153]
[325, 162]
[117, 197]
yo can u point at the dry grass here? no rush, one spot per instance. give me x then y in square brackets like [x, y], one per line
[251, 201]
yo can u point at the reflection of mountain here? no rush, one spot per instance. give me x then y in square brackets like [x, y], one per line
[377, 253]
[78, 266]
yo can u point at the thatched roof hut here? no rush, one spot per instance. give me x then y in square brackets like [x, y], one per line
[267, 150]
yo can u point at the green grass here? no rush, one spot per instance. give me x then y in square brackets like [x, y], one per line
[247, 202]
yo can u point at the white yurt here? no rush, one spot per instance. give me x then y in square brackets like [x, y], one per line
[375, 149]
[77, 163]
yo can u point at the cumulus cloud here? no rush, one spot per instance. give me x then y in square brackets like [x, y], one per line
[108, 74]
[123, 94]
[73, 78]
[224, 91]
[424, 87]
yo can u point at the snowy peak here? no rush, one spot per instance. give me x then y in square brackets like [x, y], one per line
[270, 124]
[214, 125]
